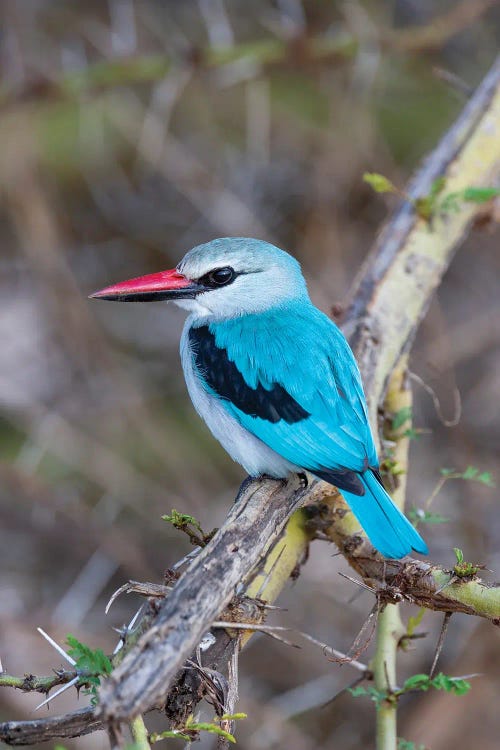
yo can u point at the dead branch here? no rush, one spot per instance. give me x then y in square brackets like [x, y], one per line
[32, 732]
[204, 589]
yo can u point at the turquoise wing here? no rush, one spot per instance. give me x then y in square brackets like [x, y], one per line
[290, 378]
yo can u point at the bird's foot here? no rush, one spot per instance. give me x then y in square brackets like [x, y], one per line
[304, 482]
[243, 487]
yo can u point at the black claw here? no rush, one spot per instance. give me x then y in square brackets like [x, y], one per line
[303, 479]
[273, 479]
[243, 487]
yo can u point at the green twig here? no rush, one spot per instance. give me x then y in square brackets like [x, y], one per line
[32, 684]
[139, 733]
[389, 627]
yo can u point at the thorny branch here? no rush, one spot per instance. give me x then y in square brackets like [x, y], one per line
[31, 732]
[390, 299]
[30, 683]
[392, 296]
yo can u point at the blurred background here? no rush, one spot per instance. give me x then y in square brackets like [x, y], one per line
[130, 131]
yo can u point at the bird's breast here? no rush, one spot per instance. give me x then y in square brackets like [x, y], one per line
[214, 382]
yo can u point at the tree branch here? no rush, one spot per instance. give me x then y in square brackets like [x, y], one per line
[32, 732]
[397, 284]
[206, 586]
[408, 260]
[29, 683]
[389, 625]
[391, 297]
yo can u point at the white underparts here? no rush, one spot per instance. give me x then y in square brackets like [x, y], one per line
[243, 447]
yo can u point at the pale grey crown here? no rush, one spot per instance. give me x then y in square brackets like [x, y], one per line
[265, 277]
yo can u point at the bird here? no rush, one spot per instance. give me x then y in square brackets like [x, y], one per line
[273, 377]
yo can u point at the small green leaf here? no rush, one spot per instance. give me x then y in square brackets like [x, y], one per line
[485, 478]
[450, 203]
[379, 183]
[377, 696]
[169, 734]
[417, 682]
[91, 663]
[480, 194]
[437, 187]
[466, 569]
[455, 685]
[407, 745]
[414, 621]
[180, 520]
[357, 691]
[233, 717]
[462, 568]
[389, 466]
[204, 726]
[413, 433]
[423, 683]
[400, 417]
[470, 473]
[424, 207]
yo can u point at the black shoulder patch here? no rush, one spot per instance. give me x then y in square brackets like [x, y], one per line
[344, 479]
[226, 380]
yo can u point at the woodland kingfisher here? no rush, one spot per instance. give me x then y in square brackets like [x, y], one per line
[273, 377]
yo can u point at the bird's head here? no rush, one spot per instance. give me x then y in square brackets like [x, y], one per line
[221, 279]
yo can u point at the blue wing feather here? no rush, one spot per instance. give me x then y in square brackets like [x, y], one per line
[289, 377]
[299, 348]
[388, 529]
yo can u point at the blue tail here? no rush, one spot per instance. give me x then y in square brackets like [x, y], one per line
[387, 528]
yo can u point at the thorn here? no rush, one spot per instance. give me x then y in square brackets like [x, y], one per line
[265, 605]
[455, 82]
[114, 597]
[134, 618]
[339, 655]
[196, 551]
[452, 580]
[439, 646]
[58, 692]
[270, 630]
[343, 690]
[358, 583]
[144, 589]
[269, 574]
[126, 629]
[57, 648]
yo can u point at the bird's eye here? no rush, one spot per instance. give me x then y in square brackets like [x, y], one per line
[218, 277]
